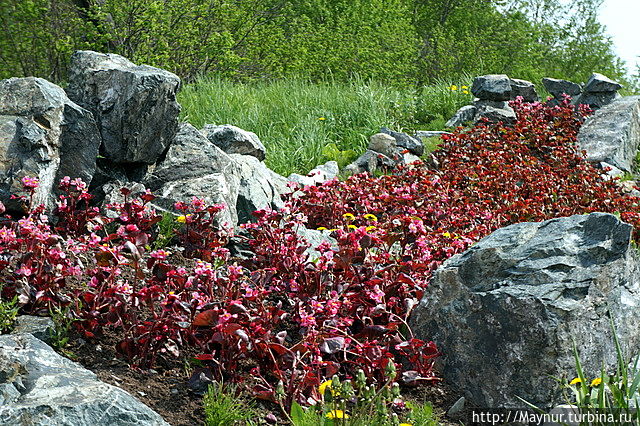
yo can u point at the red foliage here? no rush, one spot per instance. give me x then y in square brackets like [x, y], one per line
[283, 318]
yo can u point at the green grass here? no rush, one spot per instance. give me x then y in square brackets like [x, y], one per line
[297, 120]
[223, 407]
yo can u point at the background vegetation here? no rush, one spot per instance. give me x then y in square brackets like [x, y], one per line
[400, 42]
[314, 78]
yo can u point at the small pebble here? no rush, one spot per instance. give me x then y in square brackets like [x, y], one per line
[174, 391]
[457, 407]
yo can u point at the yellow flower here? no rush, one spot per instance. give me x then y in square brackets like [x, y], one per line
[323, 387]
[576, 381]
[370, 216]
[322, 228]
[352, 227]
[446, 235]
[405, 424]
[334, 229]
[337, 414]
[596, 382]
[321, 118]
[182, 219]
[348, 216]
[466, 92]
[454, 87]
[370, 228]
[464, 87]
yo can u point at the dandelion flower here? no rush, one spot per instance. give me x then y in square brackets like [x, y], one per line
[370, 216]
[323, 387]
[337, 414]
[464, 87]
[348, 216]
[466, 92]
[454, 87]
[576, 381]
[321, 118]
[405, 424]
[352, 227]
[596, 382]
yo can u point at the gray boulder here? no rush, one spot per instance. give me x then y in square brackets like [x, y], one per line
[559, 87]
[40, 387]
[315, 238]
[505, 313]
[194, 167]
[494, 111]
[432, 133]
[596, 100]
[384, 144]
[135, 105]
[369, 162]
[599, 83]
[463, 116]
[259, 187]
[40, 327]
[318, 174]
[43, 134]
[612, 134]
[233, 140]
[524, 88]
[493, 87]
[112, 194]
[414, 145]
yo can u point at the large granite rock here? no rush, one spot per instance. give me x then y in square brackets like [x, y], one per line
[505, 313]
[259, 187]
[558, 87]
[194, 167]
[524, 88]
[40, 387]
[612, 134]
[492, 87]
[135, 105]
[43, 134]
[233, 140]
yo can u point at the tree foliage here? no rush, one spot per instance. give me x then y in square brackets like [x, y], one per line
[398, 41]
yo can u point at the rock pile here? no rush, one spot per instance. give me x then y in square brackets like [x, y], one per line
[128, 114]
[493, 93]
[597, 92]
[386, 150]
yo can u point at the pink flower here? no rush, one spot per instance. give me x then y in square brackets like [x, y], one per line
[30, 182]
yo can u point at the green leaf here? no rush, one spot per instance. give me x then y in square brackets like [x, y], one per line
[297, 413]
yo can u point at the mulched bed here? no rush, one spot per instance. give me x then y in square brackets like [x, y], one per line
[164, 388]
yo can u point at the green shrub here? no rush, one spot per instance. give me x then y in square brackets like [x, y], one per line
[8, 312]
